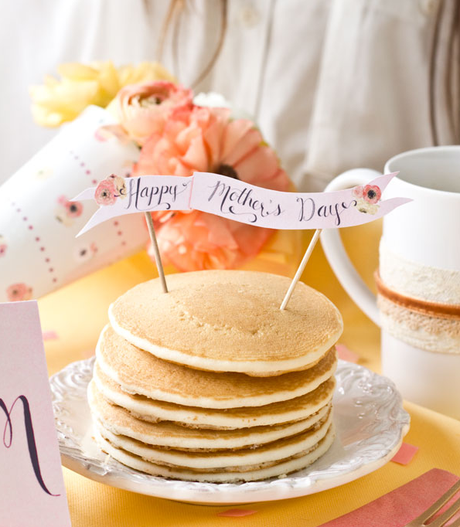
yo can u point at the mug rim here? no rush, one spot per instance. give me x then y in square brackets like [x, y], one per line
[414, 152]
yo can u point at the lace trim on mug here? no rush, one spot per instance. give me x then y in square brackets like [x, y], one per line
[433, 309]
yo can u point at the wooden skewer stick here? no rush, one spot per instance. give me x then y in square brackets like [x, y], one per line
[301, 268]
[156, 251]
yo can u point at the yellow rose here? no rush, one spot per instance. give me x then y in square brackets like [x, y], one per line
[58, 101]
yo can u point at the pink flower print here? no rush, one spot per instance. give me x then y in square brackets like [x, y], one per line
[84, 253]
[18, 292]
[3, 246]
[61, 215]
[372, 193]
[358, 192]
[67, 210]
[101, 135]
[74, 209]
[106, 192]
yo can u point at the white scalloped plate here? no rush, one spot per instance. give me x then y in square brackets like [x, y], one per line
[368, 414]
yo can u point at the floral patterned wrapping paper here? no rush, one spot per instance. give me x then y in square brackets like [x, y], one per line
[38, 223]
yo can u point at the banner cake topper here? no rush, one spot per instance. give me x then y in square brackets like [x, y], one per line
[239, 201]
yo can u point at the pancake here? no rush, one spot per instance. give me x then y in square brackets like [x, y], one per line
[212, 381]
[302, 460]
[191, 416]
[242, 460]
[140, 372]
[170, 435]
[228, 321]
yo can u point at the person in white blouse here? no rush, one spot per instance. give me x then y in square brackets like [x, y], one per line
[333, 84]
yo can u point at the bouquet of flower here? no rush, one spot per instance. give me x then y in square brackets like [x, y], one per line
[178, 137]
[150, 125]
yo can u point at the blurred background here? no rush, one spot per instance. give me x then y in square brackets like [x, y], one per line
[333, 84]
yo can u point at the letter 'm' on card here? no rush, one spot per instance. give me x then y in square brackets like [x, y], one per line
[31, 484]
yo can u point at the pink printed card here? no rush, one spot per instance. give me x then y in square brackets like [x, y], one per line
[31, 484]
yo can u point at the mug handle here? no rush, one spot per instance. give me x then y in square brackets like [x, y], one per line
[336, 254]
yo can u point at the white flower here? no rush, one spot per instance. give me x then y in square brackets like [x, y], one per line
[216, 100]
[367, 208]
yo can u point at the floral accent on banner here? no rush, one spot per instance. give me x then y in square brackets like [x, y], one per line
[67, 211]
[208, 140]
[372, 193]
[19, 292]
[106, 193]
[368, 197]
[3, 246]
[109, 190]
[364, 206]
[120, 185]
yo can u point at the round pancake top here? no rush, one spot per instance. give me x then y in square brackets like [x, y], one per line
[228, 316]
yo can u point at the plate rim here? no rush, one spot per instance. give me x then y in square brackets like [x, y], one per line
[226, 493]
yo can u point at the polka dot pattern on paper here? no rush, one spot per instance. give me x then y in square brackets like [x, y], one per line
[38, 241]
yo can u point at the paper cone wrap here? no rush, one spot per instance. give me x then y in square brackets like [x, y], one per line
[38, 225]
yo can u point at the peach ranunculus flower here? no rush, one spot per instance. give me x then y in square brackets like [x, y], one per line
[58, 101]
[106, 192]
[142, 109]
[206, 140]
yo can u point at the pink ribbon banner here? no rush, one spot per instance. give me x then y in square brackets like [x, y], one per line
[240, 201]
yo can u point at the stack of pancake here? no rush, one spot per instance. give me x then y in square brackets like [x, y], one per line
[212, 381]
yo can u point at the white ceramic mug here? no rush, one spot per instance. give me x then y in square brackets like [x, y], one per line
[419, 258]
